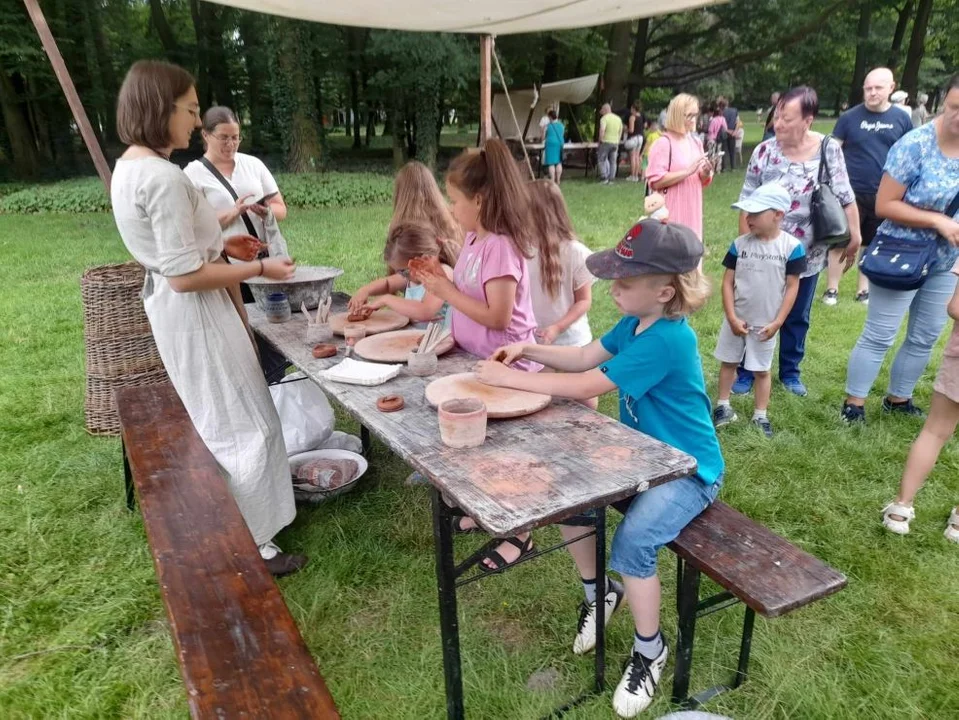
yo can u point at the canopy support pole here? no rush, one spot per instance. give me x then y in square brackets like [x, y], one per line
[486, 99]
[70, 90]
[522, 140]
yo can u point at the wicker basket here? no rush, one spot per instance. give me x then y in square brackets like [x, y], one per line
[120, 351]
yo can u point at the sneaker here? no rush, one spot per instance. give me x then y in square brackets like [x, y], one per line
[830, 297]
[952, 526]
[416, 478]
[742, 386]
[764, 425]
[640, 680]
[796, 387]
[586, 626]
[852, 414]
[906, 408]
[863, 297]
[283, 564]
[723, 415]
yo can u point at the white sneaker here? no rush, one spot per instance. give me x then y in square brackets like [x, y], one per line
[640, 680]
[586, 627]
[900, 527]
[830, 297]
[952, 527]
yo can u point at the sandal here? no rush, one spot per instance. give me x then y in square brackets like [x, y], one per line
[900, 527]
[460, 530]
[525, 548]
[952, 527]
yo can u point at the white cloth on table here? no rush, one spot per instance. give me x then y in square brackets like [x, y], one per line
[250, 177]
[171, 230]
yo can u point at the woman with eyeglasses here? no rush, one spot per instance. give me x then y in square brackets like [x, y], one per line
[191, 299]
[678, 167]
[238, 207]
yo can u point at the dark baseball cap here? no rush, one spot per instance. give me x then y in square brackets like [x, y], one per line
[650, 247]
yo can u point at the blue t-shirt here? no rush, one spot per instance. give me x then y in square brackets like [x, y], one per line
[931, 180]
[662, 392]
[866, 138]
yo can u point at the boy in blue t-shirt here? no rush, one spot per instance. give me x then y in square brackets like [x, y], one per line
[651, 358]
[759, 289]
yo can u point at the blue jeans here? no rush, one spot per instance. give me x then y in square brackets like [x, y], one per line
[654, 518]
[792, 335]
[927, 316]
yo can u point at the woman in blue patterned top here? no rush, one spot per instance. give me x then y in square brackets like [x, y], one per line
[919, 181]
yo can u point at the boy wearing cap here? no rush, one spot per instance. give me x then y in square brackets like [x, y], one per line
[759, 288]
[652, 359]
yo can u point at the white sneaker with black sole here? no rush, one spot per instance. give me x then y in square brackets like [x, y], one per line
[586, 627]
[640, 680]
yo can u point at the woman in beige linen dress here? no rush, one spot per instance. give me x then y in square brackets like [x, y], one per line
[190, 299]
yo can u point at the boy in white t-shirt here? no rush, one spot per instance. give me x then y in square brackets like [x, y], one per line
[759, 289]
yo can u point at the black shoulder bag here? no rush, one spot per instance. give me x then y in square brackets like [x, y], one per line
[229, 188]
[830, 226]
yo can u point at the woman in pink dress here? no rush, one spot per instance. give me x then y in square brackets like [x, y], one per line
[678, 168]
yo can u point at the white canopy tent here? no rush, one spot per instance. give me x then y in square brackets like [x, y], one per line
[510, 127]
[492, 17]
[483, 17]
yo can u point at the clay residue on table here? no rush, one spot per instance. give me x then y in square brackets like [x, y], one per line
[614, 458]
[507, 473]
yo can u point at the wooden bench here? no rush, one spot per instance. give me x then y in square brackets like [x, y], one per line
[755, 566]
[238, 648]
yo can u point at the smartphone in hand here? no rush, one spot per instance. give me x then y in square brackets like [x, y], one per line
[266, 198]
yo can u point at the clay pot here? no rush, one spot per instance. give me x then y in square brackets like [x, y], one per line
[317, 333]
[354, 332]
[462, 422]
[421, 365]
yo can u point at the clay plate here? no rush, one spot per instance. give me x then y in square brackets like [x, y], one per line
[500, 402]
[394, 347]
[383, 320]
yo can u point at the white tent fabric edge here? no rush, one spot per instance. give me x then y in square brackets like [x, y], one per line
[495, 17]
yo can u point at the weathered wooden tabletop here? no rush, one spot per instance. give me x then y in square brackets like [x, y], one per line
[531, 471]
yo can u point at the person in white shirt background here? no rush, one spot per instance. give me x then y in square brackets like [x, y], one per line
[900, 100]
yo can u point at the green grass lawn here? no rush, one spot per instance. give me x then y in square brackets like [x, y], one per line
[83, 631]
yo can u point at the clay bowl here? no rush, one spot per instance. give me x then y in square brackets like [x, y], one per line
[462, 422]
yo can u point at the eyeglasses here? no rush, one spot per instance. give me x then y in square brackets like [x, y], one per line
[235, 139]
[692, 116]
[193, 111]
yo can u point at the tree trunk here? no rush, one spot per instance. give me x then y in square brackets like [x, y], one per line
[638, 67]
[203, 91]
[395, 121]
[370, 125]
[551, 59]
[617, 67]
[917, 48]
[167, 39]
[895, 51]
[257, 74]
[293, 97]
[426, 111]
[862, 41]
[108, 75]
[217, 66]
[22, 147]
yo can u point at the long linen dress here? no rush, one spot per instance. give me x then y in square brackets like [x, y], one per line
[170, 228]
[684, 200]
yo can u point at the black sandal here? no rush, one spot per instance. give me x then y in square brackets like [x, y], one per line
[460, 530]
[525, 548]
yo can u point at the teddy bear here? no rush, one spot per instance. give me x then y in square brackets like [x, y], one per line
[654, 207]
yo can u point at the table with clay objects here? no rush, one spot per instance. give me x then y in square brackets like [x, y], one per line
[565, 461]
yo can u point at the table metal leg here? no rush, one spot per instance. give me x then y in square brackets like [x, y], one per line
[449, 622]
[365, 440]
[744, 647]
[688, 607]
[127, 478]
[600, 599]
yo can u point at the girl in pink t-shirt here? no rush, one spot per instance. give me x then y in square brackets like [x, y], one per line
[490, 293]
[939, 428]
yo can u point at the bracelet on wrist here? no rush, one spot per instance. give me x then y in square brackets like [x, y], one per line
[259, 274]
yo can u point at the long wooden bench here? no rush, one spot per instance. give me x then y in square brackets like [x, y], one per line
[238, 648]
[753, 565]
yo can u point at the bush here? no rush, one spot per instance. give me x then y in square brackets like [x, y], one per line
[312, 190]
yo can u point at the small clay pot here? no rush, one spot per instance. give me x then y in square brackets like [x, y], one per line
[462, 422]
[390, 403]
[324, 351]
[318, 333]
[353, 332]
[421, 365]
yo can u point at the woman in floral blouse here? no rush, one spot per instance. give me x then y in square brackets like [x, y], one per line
[792, 159]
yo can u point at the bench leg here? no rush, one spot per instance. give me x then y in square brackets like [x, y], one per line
[744, 647]
[127, 478]
[687, 606]
[365, 441]
[449, 622]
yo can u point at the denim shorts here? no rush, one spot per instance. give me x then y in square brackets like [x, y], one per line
[653, 519]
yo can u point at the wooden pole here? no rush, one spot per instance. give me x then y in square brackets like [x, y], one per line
[486, 99]
[66, 82]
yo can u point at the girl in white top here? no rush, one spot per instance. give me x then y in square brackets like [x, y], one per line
[191, 298]
[561, 286]
[248, 175]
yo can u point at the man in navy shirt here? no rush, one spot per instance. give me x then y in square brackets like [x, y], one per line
[866, 131]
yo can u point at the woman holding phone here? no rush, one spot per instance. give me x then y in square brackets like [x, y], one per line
[237, 185]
